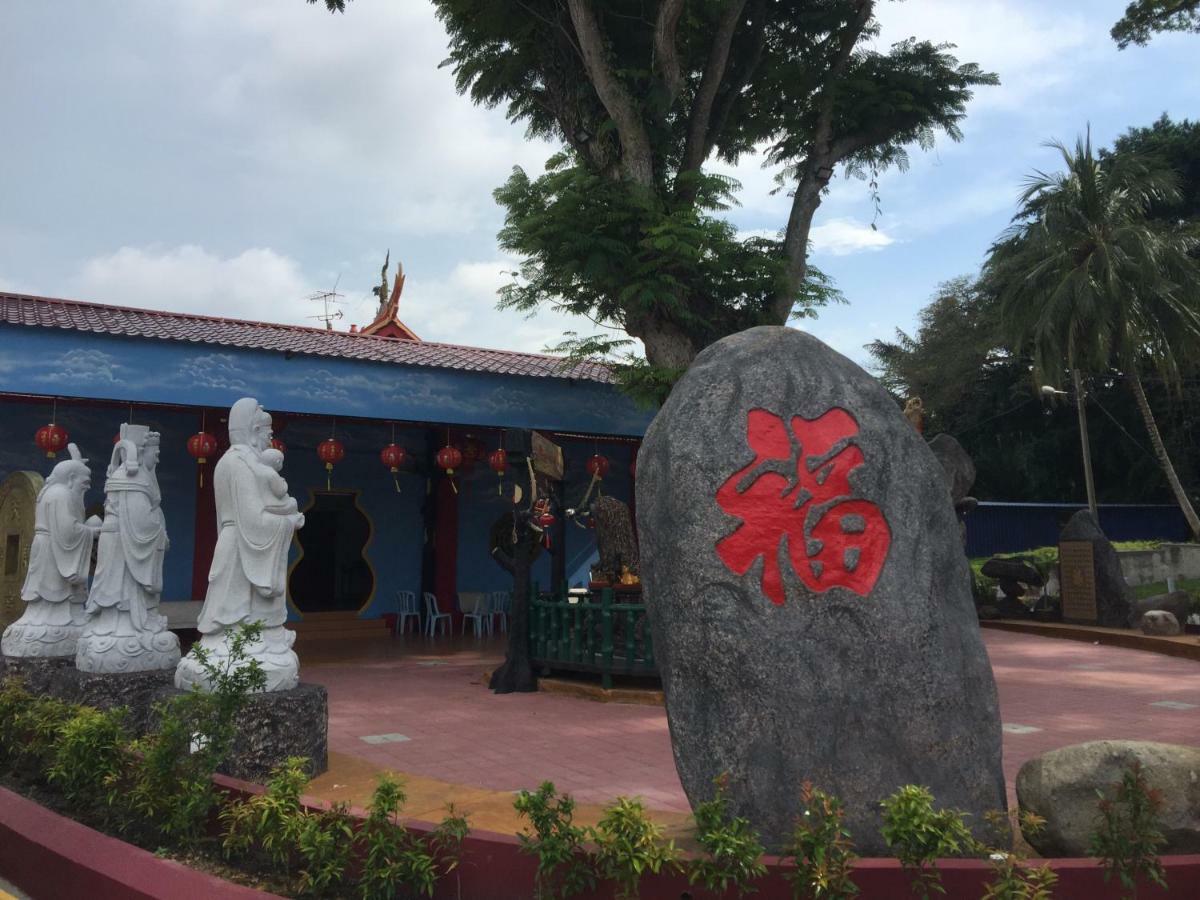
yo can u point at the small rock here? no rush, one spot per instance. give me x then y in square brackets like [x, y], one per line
[1160, 623]
[1177, 603]
[1014, 568]
[1060, 786]
[957, 465]
[987, 611]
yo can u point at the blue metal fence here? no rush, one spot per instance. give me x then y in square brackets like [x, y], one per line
[1011, 527]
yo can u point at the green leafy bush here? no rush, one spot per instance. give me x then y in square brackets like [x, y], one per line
[91, 753]
[1129, 834]
[1012, 877]
[821, 849]
[732, 850]
[268, 826]
[628, 845]
[563, 867]
[29, 729]
[325, 845]
[919, 834]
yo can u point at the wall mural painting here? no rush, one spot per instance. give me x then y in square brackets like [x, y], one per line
[66, 363]
[797, 492]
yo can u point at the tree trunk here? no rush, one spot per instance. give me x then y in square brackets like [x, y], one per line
[1088, 480]
[667, 345]
[1164, 460]
[516, 674]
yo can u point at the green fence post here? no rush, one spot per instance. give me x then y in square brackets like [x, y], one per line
[630, 621]
[606, 638]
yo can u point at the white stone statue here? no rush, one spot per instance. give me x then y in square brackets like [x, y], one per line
[124, 632]
[248, 579]
[55, 588]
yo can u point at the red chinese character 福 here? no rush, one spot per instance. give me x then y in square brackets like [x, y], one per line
[796, 498]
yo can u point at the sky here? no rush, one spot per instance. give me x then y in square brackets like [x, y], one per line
[233, 158]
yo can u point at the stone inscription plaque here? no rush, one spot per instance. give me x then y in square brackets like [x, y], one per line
[1078, 574]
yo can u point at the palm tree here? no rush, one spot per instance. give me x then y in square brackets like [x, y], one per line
[1086, 280]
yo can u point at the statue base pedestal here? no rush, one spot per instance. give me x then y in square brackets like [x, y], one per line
[135, 690]
[275, 725]
[53, 675]
[273, 651]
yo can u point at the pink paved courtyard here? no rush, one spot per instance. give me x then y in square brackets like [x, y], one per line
[415, 710]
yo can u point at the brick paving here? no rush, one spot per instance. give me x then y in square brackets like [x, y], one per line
[442, 723]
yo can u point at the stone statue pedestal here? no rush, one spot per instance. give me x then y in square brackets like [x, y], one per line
[128, 651]
[273, 652]
[273, 726]
[136, 691]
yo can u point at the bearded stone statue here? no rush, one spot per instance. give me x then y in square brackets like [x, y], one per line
[55, 587]
[248, 579]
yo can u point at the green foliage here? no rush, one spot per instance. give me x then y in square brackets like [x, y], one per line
[268, 824]
[563, 868]
[629, 845]
[325, 846]
[919, 835]
[732, 850]
[1129, 833]
[624, 226]
[1170, 145]
[821, 849]
[29, 729]
[1012, 878]
[169, 790]
[91, 754]
[394, 858]
[1145, 18]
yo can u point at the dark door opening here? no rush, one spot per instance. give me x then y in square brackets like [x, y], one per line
[333, 575]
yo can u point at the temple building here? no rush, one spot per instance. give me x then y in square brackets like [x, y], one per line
[338, 399]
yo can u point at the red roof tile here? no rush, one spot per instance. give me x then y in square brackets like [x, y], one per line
[74, 315]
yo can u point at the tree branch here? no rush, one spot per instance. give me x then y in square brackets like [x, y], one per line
[697, 146]
[666, 55]
[637, 159]
[818, 168]
[728, 97]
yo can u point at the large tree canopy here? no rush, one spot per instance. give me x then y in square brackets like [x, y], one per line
[625, 226]
[1145, 18]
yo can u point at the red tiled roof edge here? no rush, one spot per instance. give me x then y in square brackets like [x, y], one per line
[100, 318]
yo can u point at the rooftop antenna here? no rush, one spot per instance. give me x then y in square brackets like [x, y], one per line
[329, 301]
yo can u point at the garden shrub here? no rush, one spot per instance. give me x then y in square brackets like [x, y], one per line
[268, 825]
[821, 849]
[563, 867]
[1012, 877]
[919, 834]
[325, 845]
[1129, 834]
[91, 753]
[732, 849]
[628, 845]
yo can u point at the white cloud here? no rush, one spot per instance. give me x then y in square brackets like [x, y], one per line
[841, 237]
[255, 284]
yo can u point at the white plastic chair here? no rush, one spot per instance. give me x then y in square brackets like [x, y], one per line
[501, 603]
[406, 605]
[433, 616]
[480, 611]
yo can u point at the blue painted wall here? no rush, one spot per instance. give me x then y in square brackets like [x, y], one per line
[45, 361]
[93, 429]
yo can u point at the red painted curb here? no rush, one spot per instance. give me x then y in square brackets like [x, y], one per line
[49, 855]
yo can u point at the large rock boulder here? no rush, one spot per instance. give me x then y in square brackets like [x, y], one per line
[1060, 786]
[1160, 623]
[957, 466]
[1114, 598]
[1177, 603]
[808, 592]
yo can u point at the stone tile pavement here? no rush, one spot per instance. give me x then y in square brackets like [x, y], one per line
[441, 727]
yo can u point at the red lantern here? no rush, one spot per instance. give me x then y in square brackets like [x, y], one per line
[498, 460]
[51, 438]
[330, 451]
[277, 444]
[393, 456]
[597, 466]
[449, 458]
[202, 445]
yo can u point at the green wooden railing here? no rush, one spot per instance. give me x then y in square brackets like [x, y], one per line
[593, 633]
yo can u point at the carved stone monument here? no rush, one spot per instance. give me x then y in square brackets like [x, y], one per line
[808, 592]
[124, 632]
[55, 587]
[247, 581]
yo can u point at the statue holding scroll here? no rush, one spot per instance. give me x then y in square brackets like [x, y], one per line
[55, 588]
[124, 632]
[248, 579]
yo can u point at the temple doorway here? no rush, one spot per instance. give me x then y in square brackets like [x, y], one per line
[332, 574]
